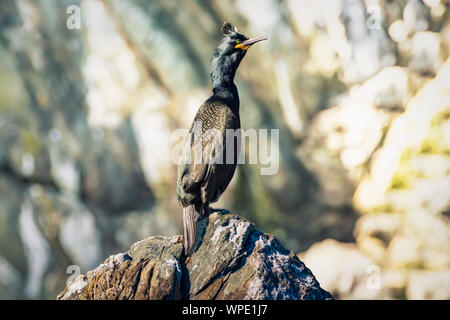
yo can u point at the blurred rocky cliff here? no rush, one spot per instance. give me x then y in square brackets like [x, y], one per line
[359, 90]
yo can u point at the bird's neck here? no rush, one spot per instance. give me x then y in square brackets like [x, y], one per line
[223, 70]
[228, 95]
[222, 77]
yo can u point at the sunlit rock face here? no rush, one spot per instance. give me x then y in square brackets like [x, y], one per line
[13, 259]
[399, 165]
[404, 197]
[348, 277]
[416, 132]
[425, 52]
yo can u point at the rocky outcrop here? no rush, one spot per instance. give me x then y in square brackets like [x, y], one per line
[234, 260]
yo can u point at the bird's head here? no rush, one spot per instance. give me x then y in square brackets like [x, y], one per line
[230, 51]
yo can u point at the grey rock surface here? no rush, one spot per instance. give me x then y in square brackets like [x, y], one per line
[233, 260]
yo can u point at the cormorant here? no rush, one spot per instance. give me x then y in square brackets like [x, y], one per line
[204, 171]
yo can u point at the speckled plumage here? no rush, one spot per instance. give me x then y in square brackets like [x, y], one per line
[202, 182]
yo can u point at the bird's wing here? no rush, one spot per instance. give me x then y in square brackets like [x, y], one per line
[212, 172]
[205, 152]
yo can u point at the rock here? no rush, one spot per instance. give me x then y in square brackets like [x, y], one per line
[369, 47]
[10, 281]
[60, 196]
[446, 135]
[404, 198]
[342, 268]
[415, 131]
[425, 52]
[50, 139]
[233, 261]
[11, 247]
[431, 165]
[388, 89]
[428, 285]
[69, 227]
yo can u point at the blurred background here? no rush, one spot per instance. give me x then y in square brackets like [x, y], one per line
[91, 90]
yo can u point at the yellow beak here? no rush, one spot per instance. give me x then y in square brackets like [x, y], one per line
[240, 46]
[248, 43]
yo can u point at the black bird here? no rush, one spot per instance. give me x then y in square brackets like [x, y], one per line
[202, 177]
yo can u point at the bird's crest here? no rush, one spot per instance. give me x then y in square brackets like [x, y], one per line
[228, 28]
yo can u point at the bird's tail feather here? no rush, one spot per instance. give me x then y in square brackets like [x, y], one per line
[190, 218]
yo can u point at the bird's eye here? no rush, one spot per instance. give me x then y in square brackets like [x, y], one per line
[237, 41]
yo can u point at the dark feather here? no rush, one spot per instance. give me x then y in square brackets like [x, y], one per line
[203, 182]
[228, 28]
[190, 218]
